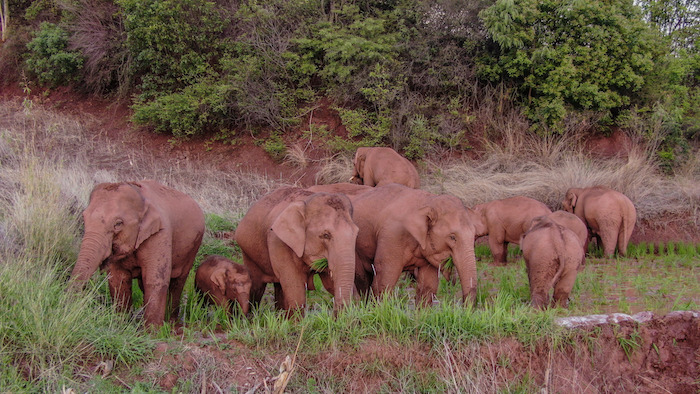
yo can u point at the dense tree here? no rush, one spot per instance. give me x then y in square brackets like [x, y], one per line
[589, 55]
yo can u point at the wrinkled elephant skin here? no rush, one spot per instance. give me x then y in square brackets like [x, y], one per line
[404, 229]
[145, 231]
[285, 232]
[552, 257]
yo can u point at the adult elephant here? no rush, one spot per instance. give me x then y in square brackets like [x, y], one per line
[552, 256]
[224, 283]
[284, 233]
[504, 221]
[145, 231]
[573, 223]
[404, 229]
[609, 215]
[378, 166]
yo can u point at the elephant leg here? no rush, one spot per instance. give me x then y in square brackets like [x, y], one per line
[498, 248]
[427, 285]
[387, 274]
[119, 283]
[622, 241]
[293, 291]
[257, 290]
[364, 276]
[539, 286]
[563, 287]
[609, 242]
[175, 290]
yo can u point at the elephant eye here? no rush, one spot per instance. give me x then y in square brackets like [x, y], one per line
[326, 235]
[452, 237]
[118, 224]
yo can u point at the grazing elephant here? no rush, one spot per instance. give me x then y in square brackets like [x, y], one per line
[286, 232]
[378, 166]
[349, 189]
[223, 281]
[609, 215]
[552, 256]
[140, 230]
[573, 223]
[505, 221]
[404, 229]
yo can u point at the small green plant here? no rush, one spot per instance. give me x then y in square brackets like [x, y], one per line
[274, 146]
[319, 265]
[49, 60]
[629, 344]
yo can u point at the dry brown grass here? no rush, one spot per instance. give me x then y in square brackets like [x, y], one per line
[544, 168]
[335, 169]
[84, 158]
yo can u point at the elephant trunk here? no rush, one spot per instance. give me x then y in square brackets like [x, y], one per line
[244, 301]
[94, 249]
[464, 260]
[342, 266]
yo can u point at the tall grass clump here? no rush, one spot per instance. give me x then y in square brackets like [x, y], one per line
[544, 167]
[50, 336]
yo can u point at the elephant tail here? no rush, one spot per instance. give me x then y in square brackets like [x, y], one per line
[559, 243]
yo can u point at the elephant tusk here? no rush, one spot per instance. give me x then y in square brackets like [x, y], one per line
[373, 270]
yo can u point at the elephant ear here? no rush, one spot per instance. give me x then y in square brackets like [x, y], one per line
[150, 223]
[572, 197]
[419, 223]
[218, 277]
[290, 227]
[360, 157]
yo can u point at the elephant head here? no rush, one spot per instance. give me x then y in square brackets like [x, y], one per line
[117, 220]
[444, 228]
[358, 163]
[569, 203]
[321, 227]
[233, 281]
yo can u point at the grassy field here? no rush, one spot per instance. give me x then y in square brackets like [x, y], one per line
[51, 339]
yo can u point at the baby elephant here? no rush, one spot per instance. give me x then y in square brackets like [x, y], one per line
[552, 256]
[224, 281]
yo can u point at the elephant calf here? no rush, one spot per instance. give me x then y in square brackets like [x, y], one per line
[552, 257]
[505, 221]
[224, 282]
[573, 223]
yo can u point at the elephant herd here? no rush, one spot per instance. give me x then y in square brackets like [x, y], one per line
[358, 237]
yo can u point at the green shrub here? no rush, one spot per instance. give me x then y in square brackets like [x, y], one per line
[48, 58]
[583, 55]
[173, 44]
[196, 109]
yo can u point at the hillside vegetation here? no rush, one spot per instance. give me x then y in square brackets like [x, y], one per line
[420, 76]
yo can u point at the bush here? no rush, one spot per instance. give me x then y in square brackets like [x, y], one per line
[48, 58]
[194, 110]
[582, 55]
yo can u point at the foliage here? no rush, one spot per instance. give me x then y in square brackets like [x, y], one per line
[173, 43]
[586, 55]
[48, 58]
[198, 108]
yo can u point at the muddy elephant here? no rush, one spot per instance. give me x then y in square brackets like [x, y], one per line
[504, 221]
[609, 215]
[224, 283]
[145, 231]
[378, 166]
[286, 232]
[552, 256]
[405, 229]
[573, 223]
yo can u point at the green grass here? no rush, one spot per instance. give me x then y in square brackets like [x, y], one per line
[50, 338]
